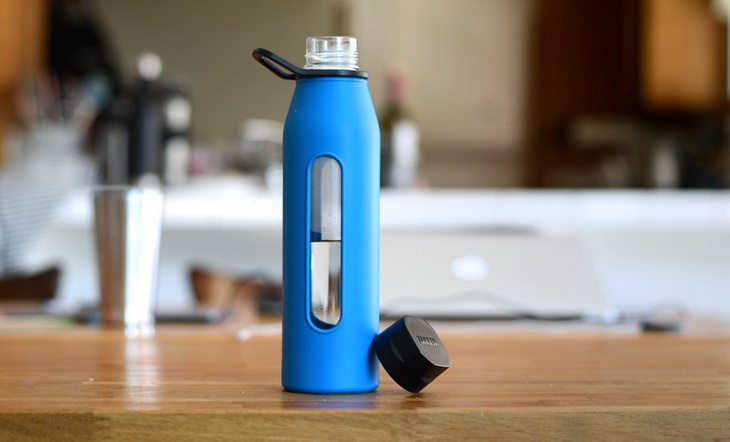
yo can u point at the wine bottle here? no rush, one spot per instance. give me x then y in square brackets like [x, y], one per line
[399, 137]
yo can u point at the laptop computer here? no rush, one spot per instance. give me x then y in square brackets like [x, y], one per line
[486, 276]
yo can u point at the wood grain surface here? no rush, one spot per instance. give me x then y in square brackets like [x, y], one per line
[192, 384]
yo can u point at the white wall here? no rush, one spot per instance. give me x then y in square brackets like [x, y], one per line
[467, 62]
[209, 43]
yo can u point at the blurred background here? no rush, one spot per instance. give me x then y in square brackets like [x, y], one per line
[524, 93]
[472, 94]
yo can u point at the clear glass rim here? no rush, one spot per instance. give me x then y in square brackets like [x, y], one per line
[331, 52]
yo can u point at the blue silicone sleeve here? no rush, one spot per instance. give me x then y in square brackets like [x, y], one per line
[332, 116]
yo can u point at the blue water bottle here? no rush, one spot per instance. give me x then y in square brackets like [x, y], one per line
[331, 221]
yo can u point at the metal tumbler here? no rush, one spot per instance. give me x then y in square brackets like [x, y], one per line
[128, 223]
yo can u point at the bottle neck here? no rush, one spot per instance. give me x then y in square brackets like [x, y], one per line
[331, 53]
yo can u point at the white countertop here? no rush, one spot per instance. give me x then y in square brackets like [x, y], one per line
[227, 203]
[647, 247]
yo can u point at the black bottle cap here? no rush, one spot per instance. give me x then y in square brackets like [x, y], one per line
[412, 353]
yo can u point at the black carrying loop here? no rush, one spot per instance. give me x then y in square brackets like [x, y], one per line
[286, 70]
[273, 63]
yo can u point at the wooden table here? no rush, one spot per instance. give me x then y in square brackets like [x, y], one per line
[191, 383]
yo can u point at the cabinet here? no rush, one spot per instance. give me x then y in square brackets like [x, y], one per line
[617, 60]
[22, 42]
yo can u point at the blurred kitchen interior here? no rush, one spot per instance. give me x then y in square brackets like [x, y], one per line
[556, 93]
[506, 93]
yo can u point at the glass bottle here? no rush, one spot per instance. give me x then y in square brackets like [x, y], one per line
[331, 221]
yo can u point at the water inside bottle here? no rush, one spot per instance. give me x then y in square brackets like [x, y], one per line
[326, 286]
